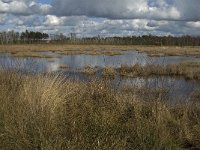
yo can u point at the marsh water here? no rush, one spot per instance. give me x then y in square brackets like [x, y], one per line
[80, 61]
[178, 88]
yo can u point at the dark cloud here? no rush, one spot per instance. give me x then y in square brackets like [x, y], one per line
[189, 9]
[129, 9]
[104, 17]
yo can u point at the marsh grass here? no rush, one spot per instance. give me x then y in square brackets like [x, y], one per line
[88, 52]
[64, 67]
[89, 70]
[59, 47]
[196, 95]
[189, 70]
[146, 93]
[52, 112]
[63, 48]
[111, 53]
[28, 50]
[30, 55]
[51, 59]
[109, 72]
[33, 54]
[169, 50]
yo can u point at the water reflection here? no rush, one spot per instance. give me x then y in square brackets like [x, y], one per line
[178, 88]
[128, 58]
[80, 61]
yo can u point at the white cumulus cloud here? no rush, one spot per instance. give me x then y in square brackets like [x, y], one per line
[104, 17]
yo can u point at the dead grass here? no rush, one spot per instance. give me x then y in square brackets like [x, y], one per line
[109, 72]
[189, 70]
[52, 112]
[30, 55]
[51, 60]
[63, 66]
[63, 49]
[196, 95]
[94, 49]
[147, 94]
[30, 50]
[58, 47]
[170, 50]
[89, 70]
[87, 52]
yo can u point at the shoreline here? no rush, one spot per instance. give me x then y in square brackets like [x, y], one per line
[64, 48]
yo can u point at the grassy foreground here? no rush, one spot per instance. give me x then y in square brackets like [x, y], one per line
[53, 113]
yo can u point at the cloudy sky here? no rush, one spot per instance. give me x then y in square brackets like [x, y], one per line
[102, 17]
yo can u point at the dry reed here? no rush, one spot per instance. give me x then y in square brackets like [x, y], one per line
[50, 112]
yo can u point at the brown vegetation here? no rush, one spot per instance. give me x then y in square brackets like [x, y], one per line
[29, 50]
[89, 70]
[51, 112]
[88, 52]
[109, 72]
[97, 49]
[170, 50]
[62, 48]
[189, 70]
[63, 66]
[30, 55]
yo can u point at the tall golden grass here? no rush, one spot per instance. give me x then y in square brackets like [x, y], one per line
[109, 71]
[189, 70]
[89, 70]
[50, 112]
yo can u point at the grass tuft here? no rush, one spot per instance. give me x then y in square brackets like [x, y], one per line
[89, 70]
[109, 72]
[52, 112]
[189, 70]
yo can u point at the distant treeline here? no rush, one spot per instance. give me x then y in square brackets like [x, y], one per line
[140, 40]
[12, 37]
[29, 37]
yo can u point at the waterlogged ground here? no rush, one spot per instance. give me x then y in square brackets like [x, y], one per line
[177, 88]
[80, 61]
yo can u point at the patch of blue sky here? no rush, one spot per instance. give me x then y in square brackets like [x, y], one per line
[7, 27]
[44, 1]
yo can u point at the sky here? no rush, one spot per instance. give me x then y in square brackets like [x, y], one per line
[102, 17]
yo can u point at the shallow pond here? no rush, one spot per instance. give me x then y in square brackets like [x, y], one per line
[178, 88]
[79, 61]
